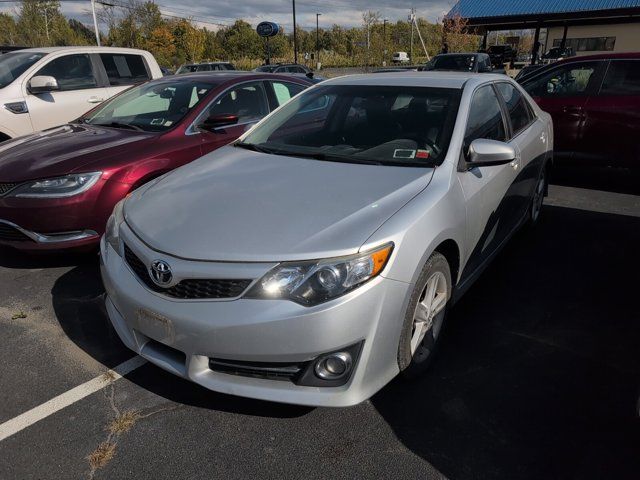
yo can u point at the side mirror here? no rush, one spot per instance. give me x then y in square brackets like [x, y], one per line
[484, 152]
[218, 121]
[43, 84]
[309, 75]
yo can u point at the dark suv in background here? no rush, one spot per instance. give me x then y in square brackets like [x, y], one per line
[501, 55]
[459, 62]
[595, 104]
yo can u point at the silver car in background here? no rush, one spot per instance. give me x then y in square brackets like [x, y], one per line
[314, 259]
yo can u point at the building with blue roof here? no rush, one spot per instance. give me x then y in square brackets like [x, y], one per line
[584, 26]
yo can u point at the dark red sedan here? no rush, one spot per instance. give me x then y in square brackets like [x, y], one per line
[595, 105]
[59, 186]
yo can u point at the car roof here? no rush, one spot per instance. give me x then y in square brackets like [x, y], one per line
[83, 49]
[230, 75]
[417, 79]
[601, 56]
[217, 62]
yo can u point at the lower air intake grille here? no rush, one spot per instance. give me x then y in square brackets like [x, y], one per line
[7, 187]
[190, 289]
[267, 371]
[12, 234]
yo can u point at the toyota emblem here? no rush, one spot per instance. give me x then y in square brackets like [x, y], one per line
[160, 273]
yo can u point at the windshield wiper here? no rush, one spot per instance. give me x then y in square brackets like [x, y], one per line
[128, 126]
[253, 147]
[333, 157]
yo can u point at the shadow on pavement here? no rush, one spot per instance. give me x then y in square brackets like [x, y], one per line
[615, 180]
[538, 373]
[12, 258]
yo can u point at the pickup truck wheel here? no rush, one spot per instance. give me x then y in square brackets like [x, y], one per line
[425, 316]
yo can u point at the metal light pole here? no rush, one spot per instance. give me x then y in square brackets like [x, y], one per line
[95, 21]
[318, 41]
[295, 39]
[384, 40]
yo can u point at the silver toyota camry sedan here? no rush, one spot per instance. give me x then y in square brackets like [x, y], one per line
[315, 259]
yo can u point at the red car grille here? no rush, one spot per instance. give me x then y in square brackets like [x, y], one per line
[7, 187]
[192, 289]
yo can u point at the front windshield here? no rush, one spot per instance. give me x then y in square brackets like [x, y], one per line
[458, 63]
[152, 107]
[187, 69]
[382, 125]
[12, 65]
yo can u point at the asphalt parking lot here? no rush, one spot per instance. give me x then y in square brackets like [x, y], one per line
[538, 375]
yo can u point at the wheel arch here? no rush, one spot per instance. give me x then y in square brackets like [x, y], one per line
[450, 250]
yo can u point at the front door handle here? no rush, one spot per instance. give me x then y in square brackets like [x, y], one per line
[95, 100]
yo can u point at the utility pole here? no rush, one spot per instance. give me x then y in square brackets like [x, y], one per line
[318, 41]
[384, 42]
[295, 38]
[95, 21]
[412, 17]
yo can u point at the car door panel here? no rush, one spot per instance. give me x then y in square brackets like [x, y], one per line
[79, 92]
[612, 118]
[563, 93]
[490, 191]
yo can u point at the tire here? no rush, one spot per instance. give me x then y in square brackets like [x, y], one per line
[414, 355]
[537, 199]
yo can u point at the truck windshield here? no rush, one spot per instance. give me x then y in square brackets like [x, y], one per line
[14, 64]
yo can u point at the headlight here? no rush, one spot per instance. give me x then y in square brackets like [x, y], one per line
[58, 187]
[112, 232]
[310, 283]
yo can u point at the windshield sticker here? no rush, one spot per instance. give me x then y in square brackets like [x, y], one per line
[168, 123]
[157, 121]
[404, 153]
[422, 154]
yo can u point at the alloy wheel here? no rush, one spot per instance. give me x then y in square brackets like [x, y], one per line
[427, 320]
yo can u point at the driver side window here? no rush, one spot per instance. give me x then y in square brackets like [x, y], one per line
[73, 72]
[564, 81]
[485, 117]
[248, 101]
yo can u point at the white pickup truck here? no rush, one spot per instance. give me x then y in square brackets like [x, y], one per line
[45, 87]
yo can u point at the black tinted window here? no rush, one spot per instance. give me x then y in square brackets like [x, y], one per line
[124, 69]
[622, 78]
[485, 117]
[571, 79]
[516, 105]
[73, 72]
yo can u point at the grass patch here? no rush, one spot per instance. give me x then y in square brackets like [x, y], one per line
[102, 455]
[123, 422]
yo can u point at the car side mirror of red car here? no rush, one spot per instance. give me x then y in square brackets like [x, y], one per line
[214, 122]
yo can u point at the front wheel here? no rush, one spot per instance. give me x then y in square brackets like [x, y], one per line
[538, 197]
[425, 316]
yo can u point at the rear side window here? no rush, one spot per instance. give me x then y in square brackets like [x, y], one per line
[124, 69]
[285, 90]
[485, 117]
[73, 72]
[568, 80]
[519, 112]
[248, 101]
[622, 78]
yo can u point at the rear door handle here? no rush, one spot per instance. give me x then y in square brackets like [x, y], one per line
[572, 110]
[95, 100]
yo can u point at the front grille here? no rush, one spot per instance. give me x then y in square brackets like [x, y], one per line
[264, 370]
[7, 187]
[12, 234]
[189, 289]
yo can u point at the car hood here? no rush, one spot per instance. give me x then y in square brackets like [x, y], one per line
[248, 206]
[64, 149]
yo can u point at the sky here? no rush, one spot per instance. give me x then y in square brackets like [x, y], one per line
[208, 13]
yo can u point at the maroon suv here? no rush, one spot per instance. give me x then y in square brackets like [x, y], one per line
[595, 105]
[59, 186]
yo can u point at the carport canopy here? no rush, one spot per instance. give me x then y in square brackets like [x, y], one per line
[484, 16]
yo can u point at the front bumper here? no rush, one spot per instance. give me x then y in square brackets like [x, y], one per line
[15, 236]
[248, 330]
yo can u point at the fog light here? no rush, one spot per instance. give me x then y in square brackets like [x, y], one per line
[333, 366]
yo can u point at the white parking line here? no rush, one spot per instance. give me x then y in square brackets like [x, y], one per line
[70, 397]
